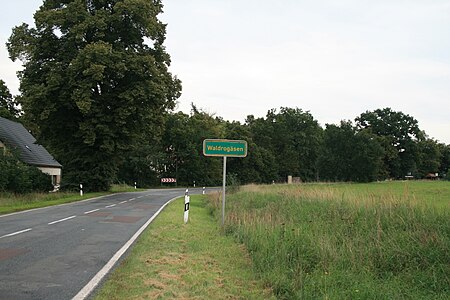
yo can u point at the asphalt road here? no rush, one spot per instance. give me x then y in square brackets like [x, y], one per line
[53, 252]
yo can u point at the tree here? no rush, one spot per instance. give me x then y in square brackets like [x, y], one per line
[348, 155]
[183, 141]
[259, 166]
[399, 133]
[429, 158]
[444, 166]
[95, 76]
[295, 139]
[8, 107]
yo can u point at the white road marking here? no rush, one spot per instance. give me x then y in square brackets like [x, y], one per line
[53, 206]
[91, 211]
[132, 199]
[123, 202]
[15, 233]
[88, 288]
[62, 220]
[112, 205]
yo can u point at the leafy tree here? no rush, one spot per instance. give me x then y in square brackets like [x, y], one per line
[95, 76]
[8, 107]
[182, 142]
[142, 162]
[295, 140]
[429, 158]
[399, 133]
[444, 165]
[259, 166]
[349, 155]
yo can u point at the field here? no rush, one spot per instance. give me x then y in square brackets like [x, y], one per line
[387, 240]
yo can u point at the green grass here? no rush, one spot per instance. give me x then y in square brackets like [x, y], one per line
[10, 202]
[172, 260]
[346, 241]
[13, 203]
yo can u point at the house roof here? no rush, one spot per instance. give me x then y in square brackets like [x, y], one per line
[15, 136]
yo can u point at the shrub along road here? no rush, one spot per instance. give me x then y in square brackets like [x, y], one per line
[53, 252]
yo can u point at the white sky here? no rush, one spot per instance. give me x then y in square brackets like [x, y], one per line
[336, 59]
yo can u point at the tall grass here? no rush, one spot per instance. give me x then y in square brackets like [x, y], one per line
[337, 242]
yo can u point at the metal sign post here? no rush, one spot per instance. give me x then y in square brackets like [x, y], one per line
[224, 183]
[224, 148]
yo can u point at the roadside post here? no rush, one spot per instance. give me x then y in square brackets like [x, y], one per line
[224, 148]
[81, 189]
[135, 185]
[186, 206]
[203, 190]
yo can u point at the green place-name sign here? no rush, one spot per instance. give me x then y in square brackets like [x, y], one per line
[231, 148]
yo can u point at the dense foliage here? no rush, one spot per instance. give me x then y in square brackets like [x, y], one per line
[290, 141]
[8, 107]
[18, 177]
[95, 76]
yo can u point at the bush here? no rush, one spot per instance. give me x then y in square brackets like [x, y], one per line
[17, 177]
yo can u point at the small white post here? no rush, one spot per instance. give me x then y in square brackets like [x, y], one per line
[186, 206]
[135, 185]
[194, 183]
[81, 189]
[203, 190]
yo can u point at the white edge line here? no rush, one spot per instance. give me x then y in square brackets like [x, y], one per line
[92, 284]
[62, 220]
[15, 233]
[123, 202]
[91, 211]
[112, 205]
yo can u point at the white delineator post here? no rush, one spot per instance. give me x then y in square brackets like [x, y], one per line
[224, 183]
[186, 206]
[135, 185]
[203, 191]
[81, 189]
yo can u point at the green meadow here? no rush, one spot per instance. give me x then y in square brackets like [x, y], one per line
[388, 240]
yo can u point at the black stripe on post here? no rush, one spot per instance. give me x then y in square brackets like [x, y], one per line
[186, 206]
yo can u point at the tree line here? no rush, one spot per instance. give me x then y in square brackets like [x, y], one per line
[377, 145]
[96, 91]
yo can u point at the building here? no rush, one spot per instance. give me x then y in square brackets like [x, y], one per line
[14, 137]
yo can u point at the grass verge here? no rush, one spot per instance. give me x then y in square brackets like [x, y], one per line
[10, 202]
[172, 260]
[346, 241]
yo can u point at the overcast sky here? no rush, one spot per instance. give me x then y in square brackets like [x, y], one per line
[336, 59]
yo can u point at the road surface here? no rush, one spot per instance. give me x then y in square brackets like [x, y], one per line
[53, 252]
